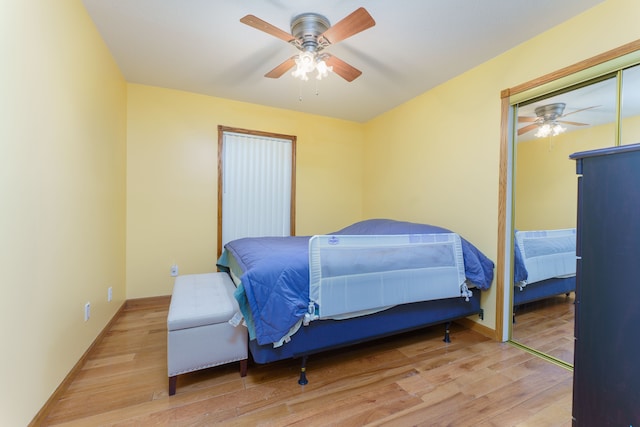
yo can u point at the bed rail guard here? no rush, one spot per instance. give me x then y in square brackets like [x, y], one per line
[352, 275]
[547, 253]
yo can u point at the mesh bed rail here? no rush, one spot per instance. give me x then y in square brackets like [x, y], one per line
[548, 253]
[351, 275]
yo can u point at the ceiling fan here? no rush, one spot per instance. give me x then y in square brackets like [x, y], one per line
[311, 33]
[548, 115]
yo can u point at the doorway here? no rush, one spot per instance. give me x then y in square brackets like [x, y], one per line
[256, 184]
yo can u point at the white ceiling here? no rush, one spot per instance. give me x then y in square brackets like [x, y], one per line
[201, 46]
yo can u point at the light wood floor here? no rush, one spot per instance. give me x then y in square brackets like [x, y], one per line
[548, 325]
[412, 379]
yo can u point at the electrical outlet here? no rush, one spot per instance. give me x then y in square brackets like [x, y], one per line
[174, 270]
[87, 311]
[109, 294]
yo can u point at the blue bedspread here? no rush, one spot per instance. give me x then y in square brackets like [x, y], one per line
[274, 290]
[275, 284]
[520, 273]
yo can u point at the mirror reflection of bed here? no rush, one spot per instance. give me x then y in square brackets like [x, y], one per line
[545, 197]
[544, 291]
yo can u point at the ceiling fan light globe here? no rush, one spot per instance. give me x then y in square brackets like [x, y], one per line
[323, 70]
[305, 61]
[557, 130]
[299, 73]
[543, 131]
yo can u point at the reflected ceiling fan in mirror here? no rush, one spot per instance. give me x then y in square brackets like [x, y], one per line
[311, 33]
[546, 120]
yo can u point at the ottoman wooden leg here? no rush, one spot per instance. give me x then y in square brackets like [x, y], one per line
[172, 385]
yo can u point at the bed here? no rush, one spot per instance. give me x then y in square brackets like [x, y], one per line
[544, 264]
[301, 295]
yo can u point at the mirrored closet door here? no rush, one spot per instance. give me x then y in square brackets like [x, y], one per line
[545, 201]
[601, 112]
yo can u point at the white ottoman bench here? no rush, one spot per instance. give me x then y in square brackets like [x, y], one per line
[199, 335]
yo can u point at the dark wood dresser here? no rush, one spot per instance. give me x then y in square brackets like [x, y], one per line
[606, 383]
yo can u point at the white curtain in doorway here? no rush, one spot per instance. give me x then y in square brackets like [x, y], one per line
[256, 175]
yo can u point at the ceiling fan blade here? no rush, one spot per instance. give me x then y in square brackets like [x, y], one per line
[282, 68]
[582, 109]
[357, 21]
[527, 119]
[342, 69]
[573, 123]
[527, 128]
[261, 25]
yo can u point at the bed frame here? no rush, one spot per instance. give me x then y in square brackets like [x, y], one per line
[323, 335]
[544, 289]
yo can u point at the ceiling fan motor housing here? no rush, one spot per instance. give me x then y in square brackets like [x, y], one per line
[306, 28]
[550, 112]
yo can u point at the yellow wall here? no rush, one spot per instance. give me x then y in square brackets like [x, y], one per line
[545, 177]
[435, 158]
[172, 178]
[546, 182]
[62, 191]
[630, 130]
